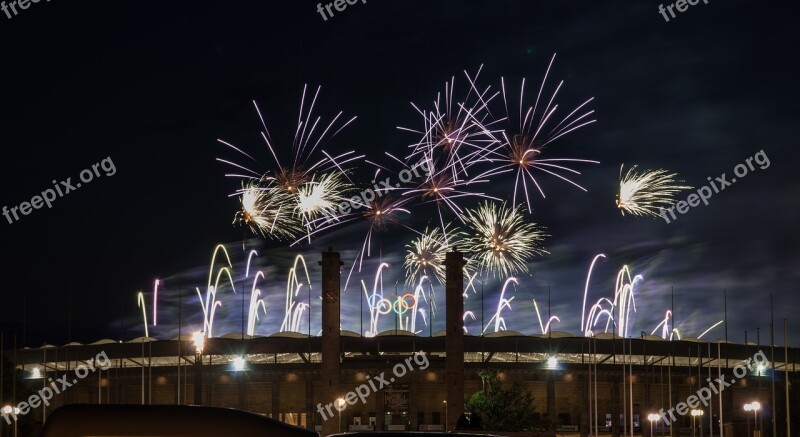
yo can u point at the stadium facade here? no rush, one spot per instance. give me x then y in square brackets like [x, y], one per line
[605, 381]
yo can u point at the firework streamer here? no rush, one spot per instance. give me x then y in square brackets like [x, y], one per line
[585, 322]
[140, 302]
[502, 303]
[293, 310]
[469, 314]
[375, 302]
[664, 325]
[545, 328]
[255, 302]
[155, 303]
[709, 329]
[644, 193]
[210, 303]
[624, 300]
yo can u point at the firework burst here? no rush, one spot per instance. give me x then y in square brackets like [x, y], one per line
[453, 133]
[305, 186]
[266, 210]
[426, 253]
[643, 193]
[500, 241]
[317, 199]
[520, 149]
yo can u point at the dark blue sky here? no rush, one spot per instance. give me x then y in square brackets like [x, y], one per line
[154, 86]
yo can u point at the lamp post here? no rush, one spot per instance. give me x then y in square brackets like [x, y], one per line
[652, 417]
[14, 411]
[198, 337]
[754, 407]
[339, 408]
[446, 418]
[695, 414]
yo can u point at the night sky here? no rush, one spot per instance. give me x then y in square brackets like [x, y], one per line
[152, 86]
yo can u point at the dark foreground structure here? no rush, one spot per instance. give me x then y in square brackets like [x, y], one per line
[164, 420]
[605, 382]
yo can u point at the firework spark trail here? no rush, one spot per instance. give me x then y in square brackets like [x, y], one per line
[210, 303]
[518, 149]
[500, 240]
[464, 319]
[545, 328]
[585, 322]
[624, 299]
[255, 293]
[292, 310]
[642, 193]
[709, 329]
[502, 303]
[155, 303]
[141, 304]
[377, 296]
[664, 325]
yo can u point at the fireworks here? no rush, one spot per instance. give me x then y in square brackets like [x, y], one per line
[454, 134]
[280, 203]
[519, 149]
[267, 210]
[426, 253]
[318, 199]
[643, 193]
[500, 240]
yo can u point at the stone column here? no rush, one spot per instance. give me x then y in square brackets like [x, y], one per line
[330, 368]
[454, 365]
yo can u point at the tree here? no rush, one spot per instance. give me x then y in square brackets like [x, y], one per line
[502, 409]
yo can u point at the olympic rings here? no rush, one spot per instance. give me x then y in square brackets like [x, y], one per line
[385, 306]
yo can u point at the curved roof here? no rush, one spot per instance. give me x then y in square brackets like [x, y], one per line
[504, 334]
[401, 332]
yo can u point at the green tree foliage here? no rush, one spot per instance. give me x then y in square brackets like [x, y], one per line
[502, 409]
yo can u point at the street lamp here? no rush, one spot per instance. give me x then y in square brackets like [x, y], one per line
[446, 418]
[198, 337]
[239, 364]
[652, 417]
[8, 409]
[552, 362]
[339, 408]
[754, 407]
[695, 413]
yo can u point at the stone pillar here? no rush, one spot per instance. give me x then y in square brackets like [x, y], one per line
[330, 368]
[454, 365]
